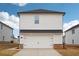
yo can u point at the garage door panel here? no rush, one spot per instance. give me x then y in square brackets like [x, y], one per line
[46, 43]
[38, 41]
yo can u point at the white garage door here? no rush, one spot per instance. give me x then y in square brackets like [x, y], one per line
[38, 41]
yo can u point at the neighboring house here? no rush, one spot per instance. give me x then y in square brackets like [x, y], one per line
[16, 40]
[72, 35]
[6, 32]
[41, 28]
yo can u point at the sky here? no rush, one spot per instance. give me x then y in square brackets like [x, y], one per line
[8, 13]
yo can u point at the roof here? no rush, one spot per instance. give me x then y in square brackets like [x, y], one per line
[76, 26]
[41, 11]
[6, 25]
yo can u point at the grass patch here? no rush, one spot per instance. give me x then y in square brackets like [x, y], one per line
[68, 52]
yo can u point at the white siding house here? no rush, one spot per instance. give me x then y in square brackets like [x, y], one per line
[6, 33]
[72, 35]
[41, 28]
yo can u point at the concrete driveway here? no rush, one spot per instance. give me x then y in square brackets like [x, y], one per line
[38, 52]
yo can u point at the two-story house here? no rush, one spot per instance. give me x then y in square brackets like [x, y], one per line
[41, 28]
[6, 33]
[72, 35]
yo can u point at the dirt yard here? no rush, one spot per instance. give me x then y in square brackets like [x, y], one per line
[7, 52]
[69, 51]
[6, 49]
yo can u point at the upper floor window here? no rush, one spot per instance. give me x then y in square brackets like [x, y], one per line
[73, 31]
[36, 21]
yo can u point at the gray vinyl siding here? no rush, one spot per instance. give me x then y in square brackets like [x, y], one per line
[70, 37]
[6, 33]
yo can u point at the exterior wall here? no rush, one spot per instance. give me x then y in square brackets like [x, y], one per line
[69, 36]
[47, 21]
[0, 33]
[6, 32]
[58, 38]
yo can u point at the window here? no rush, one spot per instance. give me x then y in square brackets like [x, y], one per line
[73, 31]
[1, 26]
[3, 38]
[72, 41]
[36, 20]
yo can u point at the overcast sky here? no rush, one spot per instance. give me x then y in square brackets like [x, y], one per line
[8, 13]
